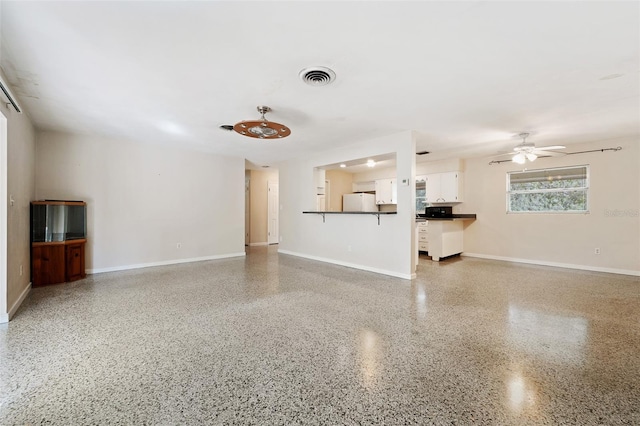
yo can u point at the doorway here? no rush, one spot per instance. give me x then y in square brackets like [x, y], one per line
[262, 207]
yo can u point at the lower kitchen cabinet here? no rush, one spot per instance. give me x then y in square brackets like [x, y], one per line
[57, 262]
[441, 237]
[423, 236]
[446, 238]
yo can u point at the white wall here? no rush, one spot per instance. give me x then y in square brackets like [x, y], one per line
[422, 168]
[375, 174]
[439, 166]
[563, 239]
[20, 166]
[340, 183]
[384, 248]
[144, 199]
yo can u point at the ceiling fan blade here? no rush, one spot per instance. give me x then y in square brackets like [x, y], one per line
[503, 154]
[542, 153]
[547, 148]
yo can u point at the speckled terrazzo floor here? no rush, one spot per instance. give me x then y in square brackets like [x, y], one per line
[274, 339]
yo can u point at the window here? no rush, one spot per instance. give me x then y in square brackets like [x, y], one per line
[421, 194]
[548, 190]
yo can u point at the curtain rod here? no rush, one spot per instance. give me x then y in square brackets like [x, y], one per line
[618, 148]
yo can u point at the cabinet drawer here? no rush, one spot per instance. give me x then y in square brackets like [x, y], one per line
[423, 246]
[423, 225]
[423, 238]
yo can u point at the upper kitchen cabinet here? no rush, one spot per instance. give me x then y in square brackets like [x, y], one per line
[386, 191]
[444, 187]
[421, 199]
[368, 186]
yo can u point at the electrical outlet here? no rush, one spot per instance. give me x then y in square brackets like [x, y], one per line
[21, 270]
[179, 245]
[597, 250]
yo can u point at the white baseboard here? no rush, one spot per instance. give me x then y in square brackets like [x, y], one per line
[351, 265]
[163, 263]
[554, 264]
[258, 244]
[4, 318]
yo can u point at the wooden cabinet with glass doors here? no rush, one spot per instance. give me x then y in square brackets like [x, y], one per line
[58, 238]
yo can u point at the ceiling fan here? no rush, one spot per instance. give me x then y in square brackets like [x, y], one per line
[262, 129]
[528, 151]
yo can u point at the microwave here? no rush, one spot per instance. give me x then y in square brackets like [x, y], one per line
[442, 211]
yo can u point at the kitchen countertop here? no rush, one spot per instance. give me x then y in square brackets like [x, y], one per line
[452, 217]
[321, 212]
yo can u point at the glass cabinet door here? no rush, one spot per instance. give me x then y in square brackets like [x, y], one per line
[421, 194]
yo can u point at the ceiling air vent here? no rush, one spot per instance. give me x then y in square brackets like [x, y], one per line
[317, 76]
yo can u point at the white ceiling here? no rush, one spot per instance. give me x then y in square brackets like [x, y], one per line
[467, 76]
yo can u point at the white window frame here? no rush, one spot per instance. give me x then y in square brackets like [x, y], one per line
[582, 188]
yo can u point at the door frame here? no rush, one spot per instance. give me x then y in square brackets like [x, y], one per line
[4, 308]
[247, 207]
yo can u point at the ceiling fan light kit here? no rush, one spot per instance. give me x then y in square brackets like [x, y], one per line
[262, 129]
[528, 151]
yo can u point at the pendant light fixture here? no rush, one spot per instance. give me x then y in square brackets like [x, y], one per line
[262, 129]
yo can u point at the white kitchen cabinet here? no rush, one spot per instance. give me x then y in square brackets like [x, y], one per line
[451, 186]
[386, 191]
[446, 238]
[369, 186]
[444, 187]
[432, 187]
[423, 236]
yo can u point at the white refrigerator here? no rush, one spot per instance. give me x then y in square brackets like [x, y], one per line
[359, 202]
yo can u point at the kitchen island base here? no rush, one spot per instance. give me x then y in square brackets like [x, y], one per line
[445, 238]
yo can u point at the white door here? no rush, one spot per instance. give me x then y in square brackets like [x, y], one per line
[272, 214]
[320, 203]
